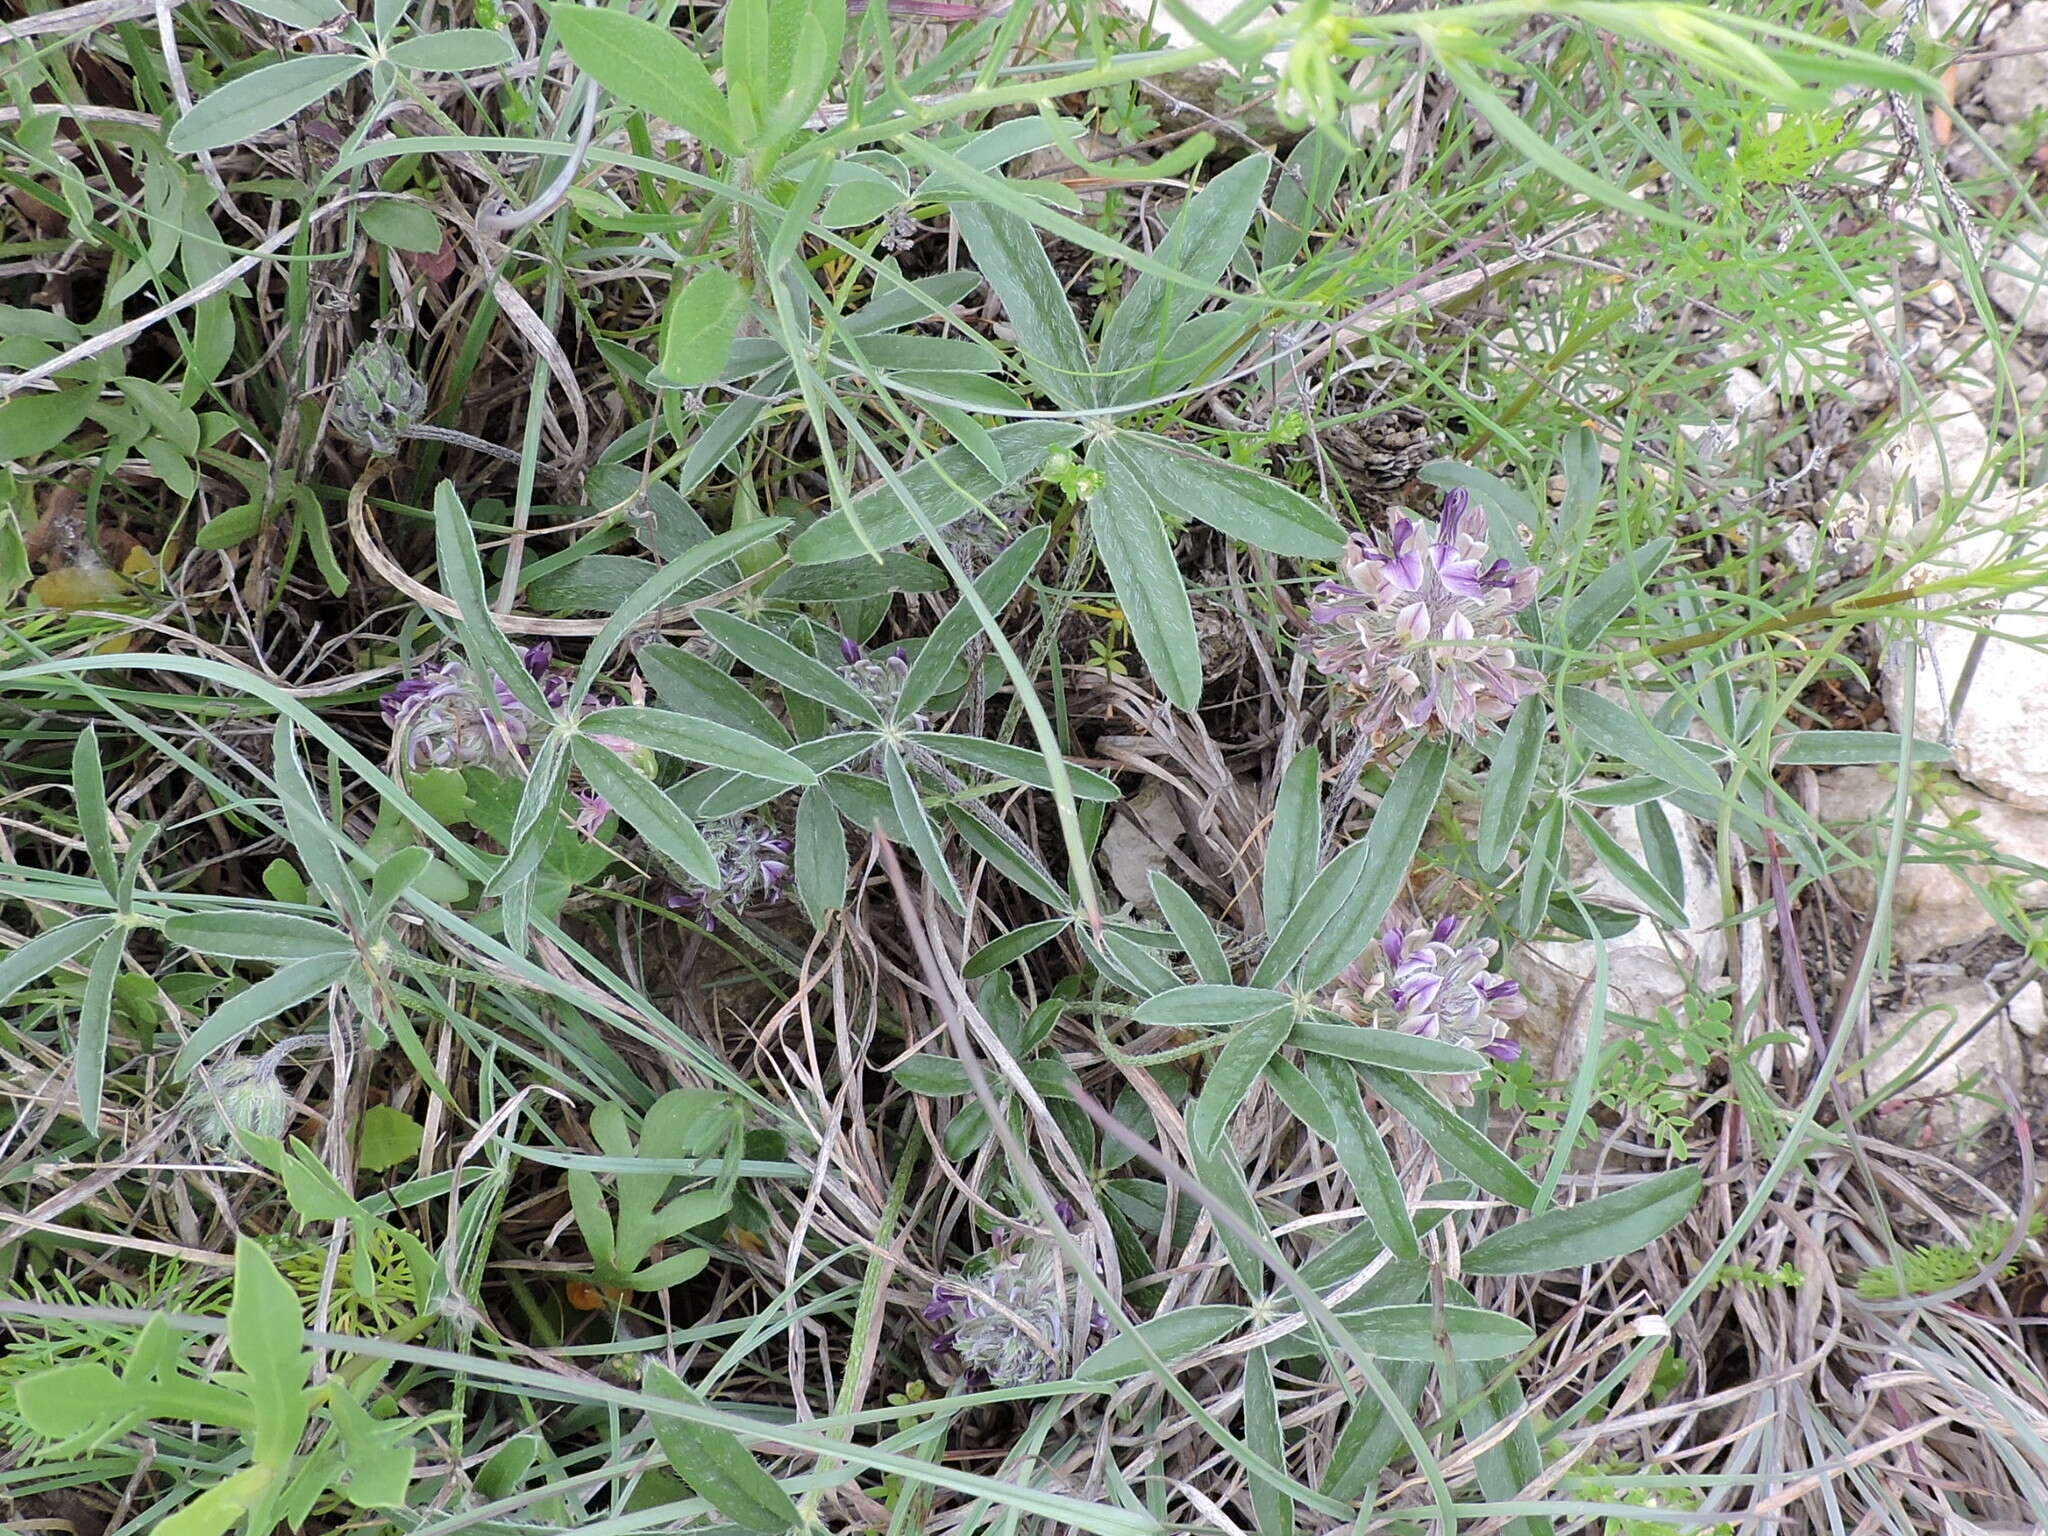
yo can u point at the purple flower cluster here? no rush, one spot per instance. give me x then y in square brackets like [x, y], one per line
[1009, 1311]
[753, 867]
[1417, 634]
[445, 716]
[1427, 981]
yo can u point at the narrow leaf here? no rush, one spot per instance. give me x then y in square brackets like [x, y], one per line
[1591, 1232]
[258, 101]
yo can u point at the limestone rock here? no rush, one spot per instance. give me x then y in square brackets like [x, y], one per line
[1939, 454]
[2000, 735]
[2018, 276]
[1934, 907]
[1647, 968]
[1946, 1099]
[2017, 81]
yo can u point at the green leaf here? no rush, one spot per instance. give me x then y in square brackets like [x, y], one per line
[1610, 594]
[226, 529]
[458, 48]
[1410, 1332]
[1591, 1232]
[274, 937]
[820, 856]
[1641, 884]
[690, 685]
[222, 1506]
[1504, 797]
[648, 67]
[258, 101]
[1365, 1158]
[462, 577]
[848, 581]
[89, 804]
[774, 657]
[1272, 1505]
[918, 828]
[1208, 1004]
[1206, 236]
[699, 741]
[1235, 1073]
[1012, 946]
[1493, 1399]
[1131, 538]
[1007, 249]
[1341, 911]
[995, 586]
[95, 1019]
[1019, 763]
[259, 1004]
[34, 424]
[266, 1338]
[1173, 1336]
[403, 225]
[1371, 1437]
[1619, 733]
[1185, 482]
[1398, 823]
[300, 15]
[642, 806]
[72, 1399]
[933, 1077]
[1197, 935]
[1456, 1141]
[944, 486]
[1832, 749]
[718, 1468]
[697, 333]
[1302, 196]
[1296, 839]
[1388, 1048]
[388, 1137]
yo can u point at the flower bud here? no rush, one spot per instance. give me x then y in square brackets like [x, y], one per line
[379, 398]
[242, 1098]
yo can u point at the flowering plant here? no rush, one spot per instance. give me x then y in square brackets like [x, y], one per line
[1417, 635]
[1430, 981]
[1009, 1312]
[446, 716]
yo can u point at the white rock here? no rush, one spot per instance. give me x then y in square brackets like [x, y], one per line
[1939, 454]
[1647, 968]
[1925, 1088]
[2016, 84]
[1800, 546]
[2018, 278]
[2000, 735]
[1747, 397]
[1933, 907]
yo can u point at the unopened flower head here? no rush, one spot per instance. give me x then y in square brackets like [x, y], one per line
[878, 679]
[241, 1097]
[1009, 1312]
[445, 716]
[1430, 981]
[379, 398]
[753, 867]
[1417, 635]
